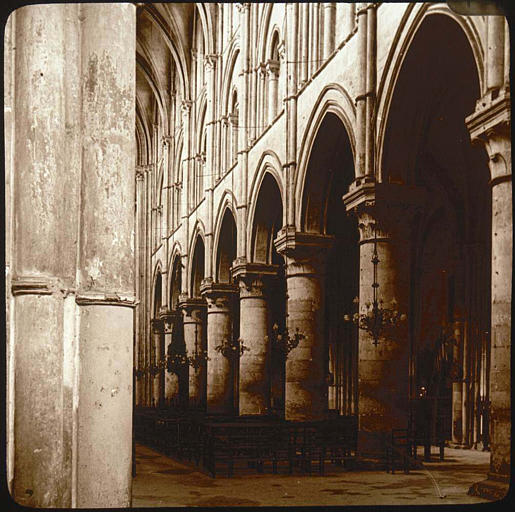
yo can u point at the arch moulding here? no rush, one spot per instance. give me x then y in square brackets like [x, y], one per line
[333, 99]
[269, 163]
[411, 21]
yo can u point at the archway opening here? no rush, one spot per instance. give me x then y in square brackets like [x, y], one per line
[225, 255]
[427, 145]
[158, 346]
[226, 251]
[267, 223]
[330, 172]
[197, 267]
[176, 375]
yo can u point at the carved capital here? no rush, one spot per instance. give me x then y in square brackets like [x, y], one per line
[384, 209]
[210, 61]
[157, 325]
[272, 68]
[218, 295]
[192, 308]
[304, 253]
[490, 125]
[186, 107]
[252, 278]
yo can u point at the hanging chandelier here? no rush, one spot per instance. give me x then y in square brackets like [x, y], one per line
[284, 342]
[229, 348]
[376, 319]
[199, 356]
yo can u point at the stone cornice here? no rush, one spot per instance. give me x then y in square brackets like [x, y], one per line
[209, 288]
[370, 193]
[241, 268]
[28, 285]
[290, 242]
[105, 299]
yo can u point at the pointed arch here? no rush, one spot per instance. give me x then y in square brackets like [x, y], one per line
[333, 99]
[408, 27]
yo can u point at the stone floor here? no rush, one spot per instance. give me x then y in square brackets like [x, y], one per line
[164, 482]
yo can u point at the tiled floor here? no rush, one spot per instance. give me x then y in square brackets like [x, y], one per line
[164, 482]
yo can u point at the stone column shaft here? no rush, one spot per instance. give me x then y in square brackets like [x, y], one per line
[490, 125]
[329, 13]
[306, 368]
[106, 255]
[384, 221]
[254, 384]
[194, 339]
[171, 325]
[45, 189]
[220, 397]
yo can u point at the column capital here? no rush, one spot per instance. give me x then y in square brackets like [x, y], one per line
[252, 277]
[490, 124]
[210, 61]
[299, 245]
[272, 68]
[218, 295]
[243, 6]
[192, 307]
[186, 107]
[157, 325]
[166, 140]
[169, 318]
[383, 209]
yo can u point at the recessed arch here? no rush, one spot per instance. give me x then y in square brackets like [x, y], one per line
[329, 173]
[197, 266]
[267, 220]
[413, 18]
[268, 163]
[333, 99]
[157, 289]
[226, 247]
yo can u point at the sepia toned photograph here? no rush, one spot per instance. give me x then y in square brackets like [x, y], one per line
[257, 254]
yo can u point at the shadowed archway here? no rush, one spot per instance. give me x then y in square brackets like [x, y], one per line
[428, 145]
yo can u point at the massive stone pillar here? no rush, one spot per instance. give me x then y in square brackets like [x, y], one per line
[306, 365]
[156, 373]
[384, 220]
[73, 286]
[254, 386]
[219, 299]
[172, 324]
[490, 125]
[194, 311]
[46, 185]
[106, 256]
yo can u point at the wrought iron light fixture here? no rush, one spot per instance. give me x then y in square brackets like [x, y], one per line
[283, 341]
[199, 356]
[230, 348]
[376, 319]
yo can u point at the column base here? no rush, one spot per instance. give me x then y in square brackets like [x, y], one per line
[493, 488]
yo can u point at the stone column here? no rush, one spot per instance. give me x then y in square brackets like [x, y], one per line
[306, 365]
[157, 375]
[106, 255]
[457, 385]
[329, 14]
[193, 323]
[490, 125]
[171, 326]
[272, 68]
[219, 299]
[384, 219]
[304, 44]
[254, 386]
[46, 174]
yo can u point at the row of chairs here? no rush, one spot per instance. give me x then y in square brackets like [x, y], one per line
[213, 441]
